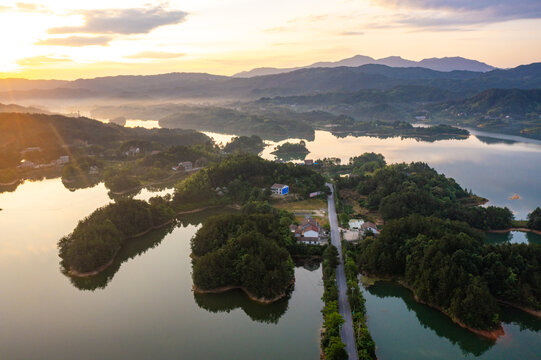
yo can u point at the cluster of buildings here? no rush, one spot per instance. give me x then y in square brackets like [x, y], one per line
[27, 164]
[307, 232]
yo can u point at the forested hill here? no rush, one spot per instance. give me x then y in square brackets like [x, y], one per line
[54, 135]
[499, 102]
[299, 82]
[25, 130]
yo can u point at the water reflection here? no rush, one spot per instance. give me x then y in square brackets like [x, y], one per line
[81, 183]
[521, 329]
[131, 250]
[139, 246]
[513, 237]
[233, 299]
[434, 320]
[491, 140]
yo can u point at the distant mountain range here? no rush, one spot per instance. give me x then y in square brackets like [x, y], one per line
[438, 64]
[299, 82]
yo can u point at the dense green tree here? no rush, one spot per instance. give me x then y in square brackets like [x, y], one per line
[534, 219]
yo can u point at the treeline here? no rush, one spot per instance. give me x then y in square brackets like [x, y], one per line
[55, 134]
[331, 344]
[447, 265]
[244, 250]
[98, 237]
[250, 144]
[398, 190]
[290, 149]
[157, 167]
[534, 219]
[245, 177]
[366, 348]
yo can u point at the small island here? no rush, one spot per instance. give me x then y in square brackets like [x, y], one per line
[385, 129]
[291, 150]
[251, 144]
[255, 259]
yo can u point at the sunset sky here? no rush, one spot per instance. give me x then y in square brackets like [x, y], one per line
[73, 39]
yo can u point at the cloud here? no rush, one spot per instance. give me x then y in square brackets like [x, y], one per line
[154, 55]
[351, 33]
[42, 60]
[76, 41]
[27, 6]
[123, 21]
[448, 13]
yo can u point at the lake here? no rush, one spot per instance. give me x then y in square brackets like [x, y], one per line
[143, 307]
[492, 167]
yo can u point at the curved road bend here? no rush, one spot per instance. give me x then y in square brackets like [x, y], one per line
[346, 333]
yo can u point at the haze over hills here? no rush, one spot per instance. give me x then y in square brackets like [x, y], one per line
[439, 64]
[299, 82]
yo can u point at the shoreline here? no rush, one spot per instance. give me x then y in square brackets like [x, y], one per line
[251, 296]
[538, 232]
[536, 313]
[75, 273]
[488, 334]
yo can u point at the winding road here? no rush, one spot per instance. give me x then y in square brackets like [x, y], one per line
[346, 332]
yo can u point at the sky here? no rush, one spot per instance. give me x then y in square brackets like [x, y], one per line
[69, 39]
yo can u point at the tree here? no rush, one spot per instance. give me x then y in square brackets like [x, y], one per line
[534, 219]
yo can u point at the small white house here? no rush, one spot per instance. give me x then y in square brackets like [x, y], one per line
[64, 159]
[279, 189]
[311, 232]
[186, 165]
[355, 224]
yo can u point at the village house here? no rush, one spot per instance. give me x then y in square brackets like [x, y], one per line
[355, 224]
[280, 189]
[186, 165]
[93, 170]
[308, 162]
[307, 232]
[26, 164]
[133, 151]
[369, 227]
[64, 159]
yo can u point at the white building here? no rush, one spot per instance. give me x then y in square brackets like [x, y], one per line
[355, 224]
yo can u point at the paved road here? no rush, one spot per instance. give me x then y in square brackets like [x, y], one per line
[346, 333]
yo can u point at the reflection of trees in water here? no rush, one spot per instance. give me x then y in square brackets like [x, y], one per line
[132, 249]
[434, 320]
[81, 183]
[233, 299]
[310, 264]
[139, 246]
[426, 138]
[506, 238]
[525, 321]
[493, 141]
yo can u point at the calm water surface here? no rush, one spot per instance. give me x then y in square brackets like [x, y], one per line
[493, 168]
[143, 306]
[404, 329]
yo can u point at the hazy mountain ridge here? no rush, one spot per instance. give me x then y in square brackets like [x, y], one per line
[299, 82]
[438, 64]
